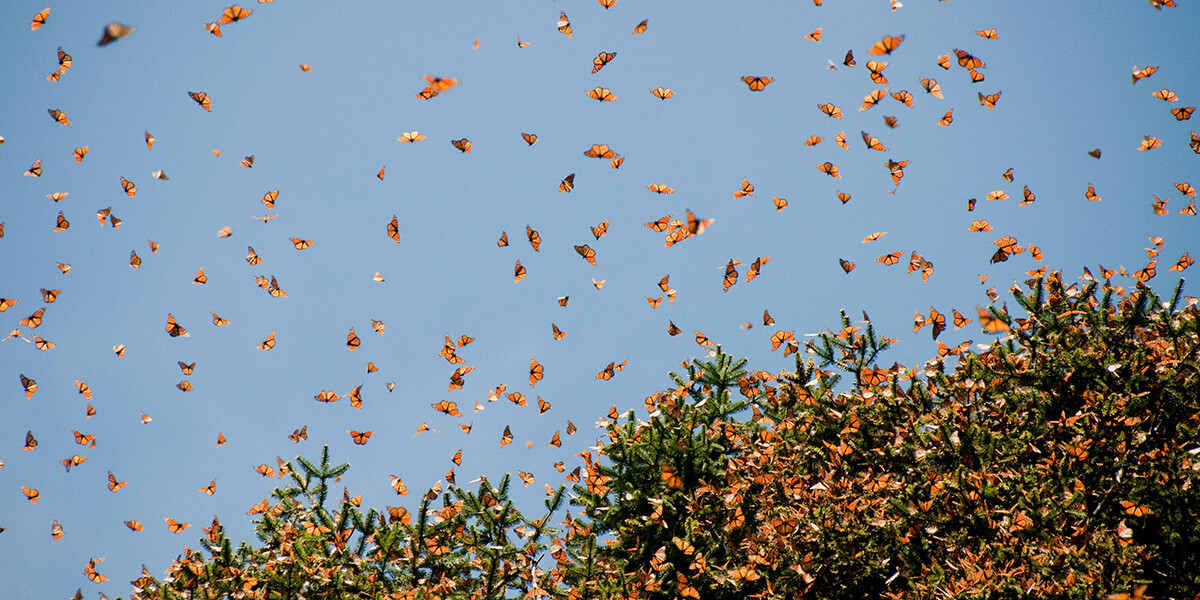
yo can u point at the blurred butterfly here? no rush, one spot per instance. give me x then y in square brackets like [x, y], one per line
[507, 437]
[813, 140]
[129, 187]
[890, 122]
[1195, 143]
[529, 138]
[214, 28]
[562, 300]
[202, 99]
[843, 196]
[393, 229]
[616, 162]
[989, 101]
[757, 83]
[440, 84]
[304, 67]
[662, 93]
[210, 489]
[173, 328]
[39, 19]
[234, 14]
[886, 45]
[1166, 95]
[113, 32]
[427, 93]
[731, 274]
[601, 94]
[564, 24]
[184, 386]
[59, 116]
[201, 278]
[947, 118]
[641, 27]
[249, 161]
[1149, 143]
[134, 525]
[1142, 73]
[987, 33]
[873, 142]
[943, 61]
[521, 44]
[602, 59]
[360, 437]
[903, 97]
[464, 145]
[872, 99]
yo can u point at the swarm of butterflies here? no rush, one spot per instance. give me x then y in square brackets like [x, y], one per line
[675, 229]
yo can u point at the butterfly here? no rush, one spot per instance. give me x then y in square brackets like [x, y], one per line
[201, 278]
[662, 93]
[529, 138]
[59, 116]
[564, 24]
[1091, 194]
[903, 97]
[268, 343]
[202, 99]
[873, 142]
[1183, 114]
[248, 162]
[39, 19]
[173, 328]
[981, 225]
[1142, 73]
[568, 183]
[562, 300]
[872, 99]
[813, 140]
[464, 145]
[79, 154]
[931, 86]
[214, 28]
[843, 196]
[641, 27]
[989, 101]
[886, 45]
[186, 368]
[602, 59]
[359, 437]
[352, 340]
[976, 76]
[521, 44]
[440, 84]
[410, 136]
[113, 32]
[301, 244]
[113, 484]
[731, 273]
[234, 14]
[876, 71]
[943, 61]
[427, 93]
[264, 470]
[829, 169]
[599, 230]
[890, 259]
[847, 266]
[134, 525]
[616, 162]
[305, 67]
[849, 60]
[747, 189]
[815, 35]
[184, 386]
[1149, 143]
[449, 408]
[601, 94]
[967, 61]
[64, 63]
[210, 489]
[757, 83]
[587, 253]
[535, 240]
[997, 195]
[129, 187]
[947, 118]
[35, 170]
[393, 229]
[702, 339]
[535, 371]
[987, 33]
[62, 223]
[1184, 262]
[507, 437]
[780, 203]
[1194, 143]
[175, 526]
[1166, 95]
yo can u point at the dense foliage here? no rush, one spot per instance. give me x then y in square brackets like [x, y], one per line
[1060, 460]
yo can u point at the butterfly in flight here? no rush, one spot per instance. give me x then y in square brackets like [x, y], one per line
[757, 83]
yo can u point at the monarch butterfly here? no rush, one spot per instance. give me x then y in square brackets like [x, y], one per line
[32, 494]
[234, 14]
[602, 59]
[518, 272]
[563, 300]
[59, 116]
[757, 83]
[202, 99]
[201, 278]
[113, 32]
[521, 44]
[943, 61]
[829, 169]
[1136, 510]
[30, 441]
[252, 256]
[427, 93]
[872, 99]
[352, 340]
[35, 170]
[599, 151]
[997, 195]
[747, 189]
[410, 136]
[379, 326]
[360, 437]
[564, 24]
[1195, 143]
[299, 434]
[129, 187]
[517, 398]
[654, 301]
[874, 236]
[264, 470]
[937, 320]
[847, 266]
[464, 145]
[947, 118]
[886, 45]
[843, 196]
[304, 67]
[601, 94]
[671, 478]
[988, 34]
[1190, 209]
[731, 273]
[876, 70]
[80, 153]
[967, 61]
[662, 93]
[507, 437]
[1184, 262]
[113, 484]
[989, 101]
[873, 142]
[64, 267]
[849, 60]
[529, 138]
[1142, 73]
[641, 27]
[702, 339]
[503, 241]
[173, 328]
[890, 122]
[210, 489]
[780, 203]
[599, 230]
[555, 440]
[1149, 143]
[184, 386]
[393, 229]
[62, 223]
[301, 244]
[781, 337]
[890, 259]
[981, 225]
[1091, 194]
[268, 343]
[39, 19]
[440, 84]
[214, 28]
[567, 184]
[1166, 95]
[327, 396]
[64, 63]
[813, 140]
[186, 368]
[447, 407]
[931, 86]
[175, 526]
[904, 97]
[535, 371]
[1160, 206]
[134, 525]
[616, 162]
[535, 240]
[1183, 114]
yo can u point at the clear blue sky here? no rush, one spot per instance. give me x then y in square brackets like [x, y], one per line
[320, 137]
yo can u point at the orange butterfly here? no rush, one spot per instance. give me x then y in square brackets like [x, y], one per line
[464, 145]
[427, 93]
[568, 183]
[556, 332]
[1142, 73]
[981, 225]
[587, 253]
[63, 223]
[747, 189]
[658, 188]
[849, 60]
[393, 229]
[890, 259]
[201, 278]
[847, 266]
[829, 169]
[874, 236]
[59, 116]
[352, 340]
[601, 94]
[602, 59]
[210, 489]
[129, 187]
[264, 470]
[529, 138]
[535, 371]
[301, 244]
[599, 230]
[249, 162]
[535, 240]
[876, 71]
[1183, 114]
[327, 396]
[757, 83]
[903, 97]
[1091, 194]
[214, 28]
[943, 61]
[873, 142]
[780, 203]
[234, 14]
[641, 27]
[202, 99]
[268, 343]
[503, 241]
[1149, 143]
[1166, 95]
[173, 328]
[662, 93]
[447, 407]
[79, 154]
[843, 196]
[113, 484]
[360, 437]
[830, 110]
[890, 122]
[564, 24]
[175, 526]
[967, 61]
[731, 273]
[186, 368]
[947, 118]
[440, 84]
[507, 437]
[521, 44]
[872, 99]
[616, 162]
[931, 86]
[886, 45]
[987, 33]
[813, 140]
[184, 386]
[989, 101]
[39, 19]
[134, 260]
[410, 136]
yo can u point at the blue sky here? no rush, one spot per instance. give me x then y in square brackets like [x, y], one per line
[320, 138]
